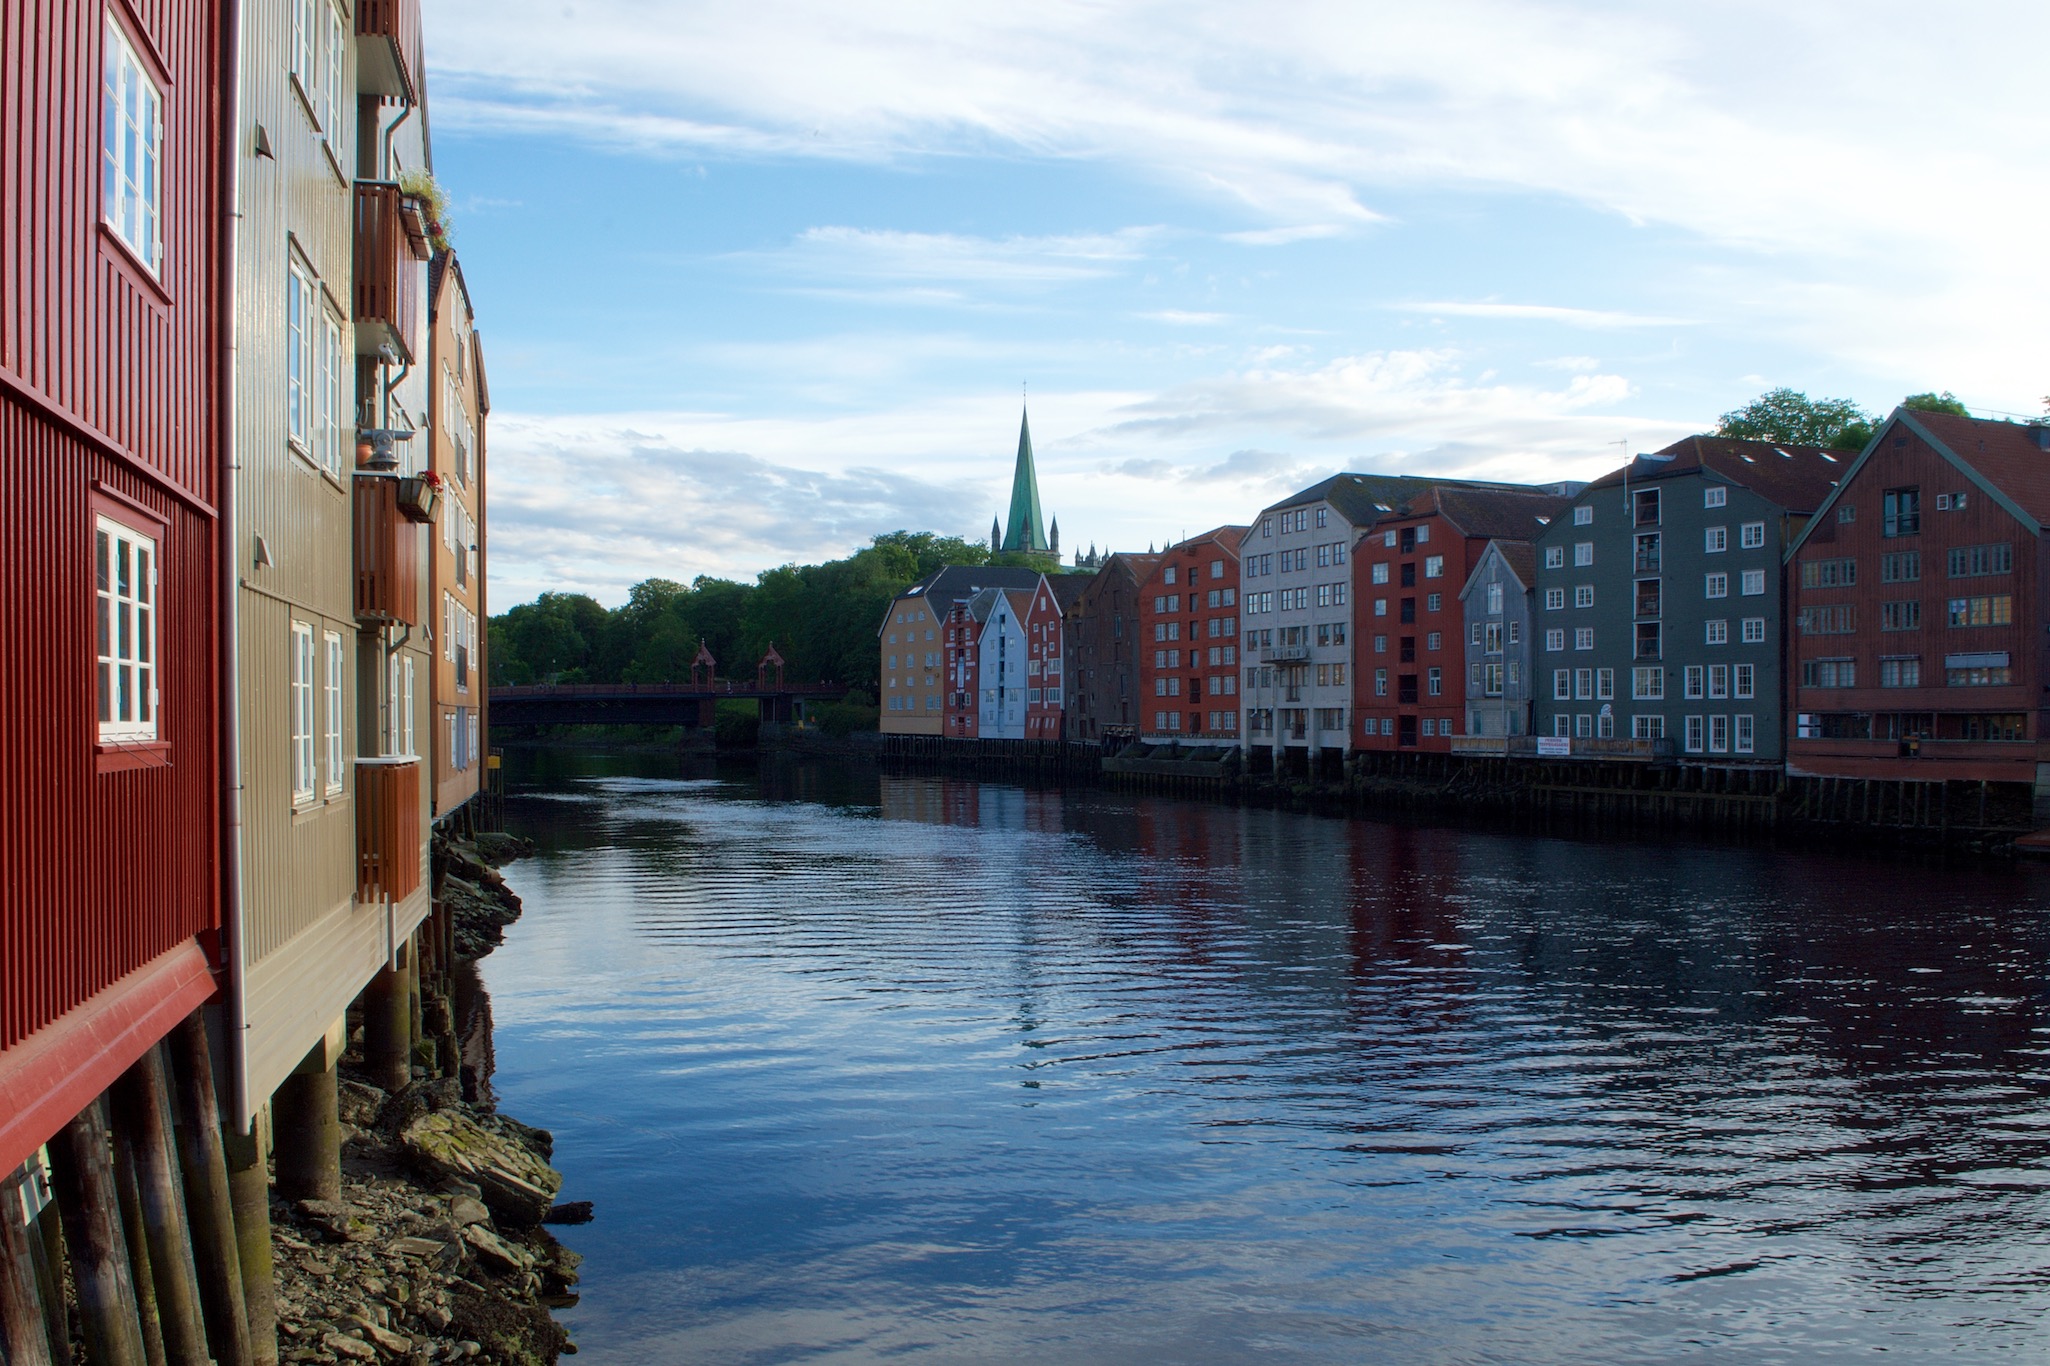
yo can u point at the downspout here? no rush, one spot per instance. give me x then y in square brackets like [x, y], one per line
[236, 1006]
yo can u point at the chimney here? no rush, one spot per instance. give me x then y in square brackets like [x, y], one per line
[2043, 436]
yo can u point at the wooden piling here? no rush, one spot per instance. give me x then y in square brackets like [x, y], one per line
[139, 1273]
[24, 1325]
[47, 1249]
[83, 1174]
[249, 1194]
[142, 1133]
[209, 1207]
[388, 1030]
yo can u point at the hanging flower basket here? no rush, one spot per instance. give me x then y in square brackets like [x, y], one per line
[417, 498]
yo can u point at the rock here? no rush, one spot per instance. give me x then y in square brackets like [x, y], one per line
[395, 1343]
[359, 1103]
[467, 1210]
[494, 1251]
[568, 1212]
[356, 1349]
[417, 1099]
[518, 1186]
[539, 1142]
[418, 1247]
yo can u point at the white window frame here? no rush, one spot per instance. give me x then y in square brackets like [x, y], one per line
[1719, 682]
[1562, 685]
[1694, 732]
[126, 664]
[1555, 639]
[330, 406]
[1715, 540]
[302, 308]
[1744, 681]
[299, 704]
[1714, 496]
[1716, 631]
[1754, 630]
[1555, 557]
[1716, 585]
[1746, 737]
[1691, 682]
[1648, 683]
[1583, 554]
[1583, 515]
[1583, 595]
[132, 151]
[1583, 637]
[406, 711]
[1434, 566]
[1753, 583]
[1751, 535]
[1719, 734]
[331, 712]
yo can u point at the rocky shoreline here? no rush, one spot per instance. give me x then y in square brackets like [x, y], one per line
[436, 1251]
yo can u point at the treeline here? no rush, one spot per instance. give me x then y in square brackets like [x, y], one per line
[822, 619]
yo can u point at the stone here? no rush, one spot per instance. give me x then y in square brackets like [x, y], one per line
[517, 1186]
[418, 1247]
[568, 1212]
[494, 1251]
[467, 1210]
[359, 1103]
[356, 1349]
[395, 1343]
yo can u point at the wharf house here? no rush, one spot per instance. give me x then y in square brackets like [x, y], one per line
[1496, 606]
[1410, 691]
[1659, 611]
[1919, 609]
[460, 404]
[111, 417]
[1046, 654]
[1102, 653]
[913, 676]
[1188, 640]
[1001, 666]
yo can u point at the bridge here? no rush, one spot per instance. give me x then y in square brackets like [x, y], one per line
[651, 704]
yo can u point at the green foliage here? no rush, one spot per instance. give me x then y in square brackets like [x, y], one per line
[856, 712]
[737, 725]
[822, 618]
[1791, 417]
[441, 230]
[1945, 402]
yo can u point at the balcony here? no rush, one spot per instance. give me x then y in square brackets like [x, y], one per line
[391, 241]
[388, 49]
[388, 835]
[387, 555]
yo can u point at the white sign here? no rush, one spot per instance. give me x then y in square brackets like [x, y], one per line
[1554, 747]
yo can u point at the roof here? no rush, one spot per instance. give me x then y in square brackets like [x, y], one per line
[2009, 461]
[1366, 498]
[959, 582]
[1023, 529]
[1797, 478]
[1066, 588]
[1500, 514]
[1230, 537]
[1519, 555]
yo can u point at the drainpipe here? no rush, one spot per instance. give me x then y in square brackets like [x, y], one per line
[229, 693]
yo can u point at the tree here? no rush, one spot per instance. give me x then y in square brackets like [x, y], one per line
[1945, 402]
[1791, 417]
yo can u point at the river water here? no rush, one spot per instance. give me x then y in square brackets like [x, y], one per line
[862, 1067]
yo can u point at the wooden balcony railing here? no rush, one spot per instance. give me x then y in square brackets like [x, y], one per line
[388, 49]
[387, 554]
[391, 241]
[388, 835]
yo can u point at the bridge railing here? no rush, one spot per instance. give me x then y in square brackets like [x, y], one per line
[721, 687]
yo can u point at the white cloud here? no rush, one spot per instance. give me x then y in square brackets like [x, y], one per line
[1183, 318]
[856, 253]
[1551, 313]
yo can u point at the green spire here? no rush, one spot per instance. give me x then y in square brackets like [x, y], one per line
[1023, 530]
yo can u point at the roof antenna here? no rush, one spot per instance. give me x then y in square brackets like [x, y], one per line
[1625, 444]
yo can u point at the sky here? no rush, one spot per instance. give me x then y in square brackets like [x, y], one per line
[758, 282]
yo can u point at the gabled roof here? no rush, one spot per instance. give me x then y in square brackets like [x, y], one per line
[1127, 565]
[2007, 461]
[1023, 529]
[1066, 588]
[1519, 557]
[958, 582]
[1500, 514]
[1365, 498]
[1797, 478]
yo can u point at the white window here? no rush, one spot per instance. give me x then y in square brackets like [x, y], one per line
[1648, 683]
[304, 669]
[1583, 684]
[1562, 725]
[301, 340]
[1719, 631]
[1745, 734]
[1604, 685]
[1583, 515]
[1583, 553]
[1434, 566]
[1583, 726]
[1555, 557]
[331, 717]
[1562, 685]
[1719, 680]
[305, 40]
[1752, 535]
[329, 369]
[1380, 573]
[1754, 630]
[1555, 599]
[1714, 496]
[1555, 639]
[1495, 599]
[1583, 637]
[125, 605]
[1583, 596]
[1747, 676]
[1380, 607]
[1694, 735]
[1754, 582]
[1718, 585]
[1717, 540]
[335, 47]
[1692, 685]
[132, 152]
[1718, 735]
[1648, 727]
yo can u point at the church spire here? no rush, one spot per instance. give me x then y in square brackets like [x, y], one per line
[996, 536]
[1023, 529]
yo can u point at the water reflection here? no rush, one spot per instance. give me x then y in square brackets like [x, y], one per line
[861, 1066]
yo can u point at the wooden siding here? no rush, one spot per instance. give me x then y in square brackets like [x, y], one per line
[450, 309]
[108, 390]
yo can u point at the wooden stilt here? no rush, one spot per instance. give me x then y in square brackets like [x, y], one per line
[388, 1030]
[142, 1130]
[24, 1328]
[308, 1138]
[139, 1273]
[48, 1251]
[249, 1193]
[205, 1169]
[86, 1198]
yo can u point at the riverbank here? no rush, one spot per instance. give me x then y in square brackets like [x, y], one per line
[436, 1250]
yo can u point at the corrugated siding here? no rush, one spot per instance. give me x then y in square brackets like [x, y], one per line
[109, 378]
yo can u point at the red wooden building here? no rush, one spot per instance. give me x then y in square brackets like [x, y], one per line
[1188, 639]
[963, 677]
[1409, 689]
[1044, 660]
[111, 316]
[1918, 609]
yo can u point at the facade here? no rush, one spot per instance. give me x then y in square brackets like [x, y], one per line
[1045, 656]
[1496, 605]
[1188, 664]
[913, 677]
[962, 660]
[459, 403]
[110, 416]
[1918, 601]
[1103, 648]
[1659, 601]
[1409, 620]
[1001, 667]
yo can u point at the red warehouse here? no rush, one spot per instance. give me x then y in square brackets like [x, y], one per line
[1188, 639]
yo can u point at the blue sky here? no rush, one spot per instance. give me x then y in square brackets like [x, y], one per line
[757, 282]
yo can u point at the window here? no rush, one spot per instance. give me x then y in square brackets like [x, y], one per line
[1717, 540]
[1846, 514]
[1753, 583]
[1976, 561]
[1718, 735]
[1977, 671]
[1562, 685]
[1829, 673]
[1839, 619]
[1494, 599]
[1988, 611]
[1901, 567]
[1648, 684]
[1647, 552]
[1380, 574]
[1583, 515]
[1380, 682]
[1555, 599]
[1649, 642]
[1718, 631]
[1746, 733]
[1168, 576]
[1555, 557]
[1380, 607]
[1694, 734]
[301, 341]
[1718, 585]
[1752, 535]
[1433, 601]
[125, 624]
[1900, 671]
[1829, 573]
[132, 152]
[1515, 632]
[1691, 687]
[1754, 630]
[1648, 727]
[330, 407]
[1408, 612]
[300, 701]
[1604, 684]
[331, 713]
[1904, 615]
[1583, 553]
[1714, 496]
[1583, 726]
[1555, 639]
[1434, 566]
[1583, 596]
[1433, 640]
[1583, 637]
[1719, 681]
[1646, 507]
[1901, 511]
[1434, 682]
[1323, 517]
